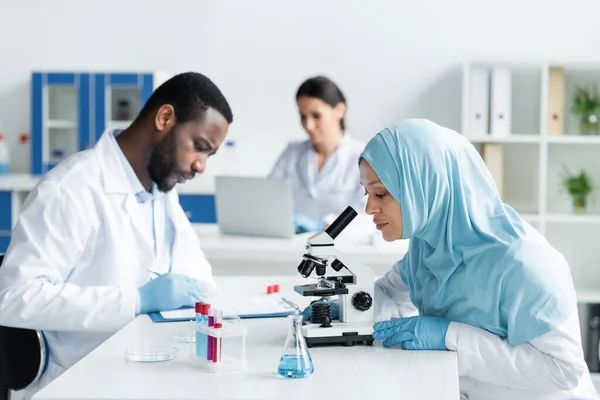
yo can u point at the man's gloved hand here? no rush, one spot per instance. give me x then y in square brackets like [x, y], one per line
[304, 223]
[413, 333]
[169, 292]
[334, 309]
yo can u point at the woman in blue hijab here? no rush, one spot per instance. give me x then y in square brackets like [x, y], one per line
[476, 279]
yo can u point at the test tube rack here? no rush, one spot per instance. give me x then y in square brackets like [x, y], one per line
[230, 348]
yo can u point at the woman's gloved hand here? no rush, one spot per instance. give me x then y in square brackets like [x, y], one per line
[305, 223]
[334, 309]
[169, 292]
[413, 333]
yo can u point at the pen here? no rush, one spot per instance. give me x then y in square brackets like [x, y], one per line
[290, 303]
[154, 272]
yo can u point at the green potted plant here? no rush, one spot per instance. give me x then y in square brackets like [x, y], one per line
[579, 187]
[586, 105]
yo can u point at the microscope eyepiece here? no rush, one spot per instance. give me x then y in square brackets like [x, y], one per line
[341, 222]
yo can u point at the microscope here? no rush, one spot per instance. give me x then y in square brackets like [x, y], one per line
[352, 281]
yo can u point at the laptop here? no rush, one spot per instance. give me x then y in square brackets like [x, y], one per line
[254, 206]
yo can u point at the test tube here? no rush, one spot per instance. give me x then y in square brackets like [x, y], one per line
[198, 309]
[218, 343]
[205, 310]
[209, 345]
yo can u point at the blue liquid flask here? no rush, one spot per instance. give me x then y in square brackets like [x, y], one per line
[295, 362]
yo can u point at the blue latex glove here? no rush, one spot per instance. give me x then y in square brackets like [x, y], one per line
[304, 223]
[334, 309]
[169, 292]
[413, 333]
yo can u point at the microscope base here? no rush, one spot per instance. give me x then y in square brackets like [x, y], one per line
[346, 341]
[345, 334]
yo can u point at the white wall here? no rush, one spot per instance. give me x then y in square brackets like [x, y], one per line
[393, 59]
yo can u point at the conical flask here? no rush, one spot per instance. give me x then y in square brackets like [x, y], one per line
[295, 361]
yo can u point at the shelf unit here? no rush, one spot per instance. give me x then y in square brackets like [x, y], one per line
[70, 110]
[532, 152]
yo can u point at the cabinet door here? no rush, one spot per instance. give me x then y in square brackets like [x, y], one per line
[199, 208]
[118, 99]
[4, 241]
[148, 86]
[60, 113]
[5, 212]
[5, 220]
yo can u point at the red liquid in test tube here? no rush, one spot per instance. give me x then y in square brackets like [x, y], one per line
[211, 339]
[218, 342]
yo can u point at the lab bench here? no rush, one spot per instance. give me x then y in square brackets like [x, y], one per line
[394, 370]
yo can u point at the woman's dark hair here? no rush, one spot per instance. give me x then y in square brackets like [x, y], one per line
[323, 89]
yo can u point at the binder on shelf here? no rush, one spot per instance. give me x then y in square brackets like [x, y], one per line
[494, 160]
[500, 102]
[479, 95]
[556, 101]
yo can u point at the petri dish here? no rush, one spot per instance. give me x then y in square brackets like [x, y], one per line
[150, 353]
[232, 319]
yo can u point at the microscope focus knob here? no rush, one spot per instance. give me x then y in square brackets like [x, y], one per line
[362, 301]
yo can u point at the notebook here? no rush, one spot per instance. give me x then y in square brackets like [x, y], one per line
[261, 306]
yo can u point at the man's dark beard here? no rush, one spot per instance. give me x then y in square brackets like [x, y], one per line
[163, 162]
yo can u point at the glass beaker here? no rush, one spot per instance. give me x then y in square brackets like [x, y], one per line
[295, 361]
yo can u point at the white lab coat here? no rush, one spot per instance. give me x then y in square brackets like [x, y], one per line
[550, 367]
[79, 253]
[325, 193]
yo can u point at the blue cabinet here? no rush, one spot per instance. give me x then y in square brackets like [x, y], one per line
[70, 110]
[5, 219]
[60, 116]
[5, 212]
[199, 208]
[118, 98]
[4, 241]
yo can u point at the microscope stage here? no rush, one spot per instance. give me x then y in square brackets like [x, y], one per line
[312, 290]
[346, 334]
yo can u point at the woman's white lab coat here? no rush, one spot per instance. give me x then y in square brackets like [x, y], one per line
[326, 193]
[550, 367]
[78, 254]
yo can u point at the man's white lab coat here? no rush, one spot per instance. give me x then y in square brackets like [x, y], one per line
[79, 253]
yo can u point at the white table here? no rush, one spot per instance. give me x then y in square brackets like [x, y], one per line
[359, 372]
[245, 255]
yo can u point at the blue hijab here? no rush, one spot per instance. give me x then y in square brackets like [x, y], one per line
[471, 258]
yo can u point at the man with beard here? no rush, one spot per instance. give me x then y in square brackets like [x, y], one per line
[77, 267]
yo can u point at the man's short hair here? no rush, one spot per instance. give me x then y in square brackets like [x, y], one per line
[190, 94]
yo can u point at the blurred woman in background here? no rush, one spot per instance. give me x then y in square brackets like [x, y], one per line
[323, 169]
